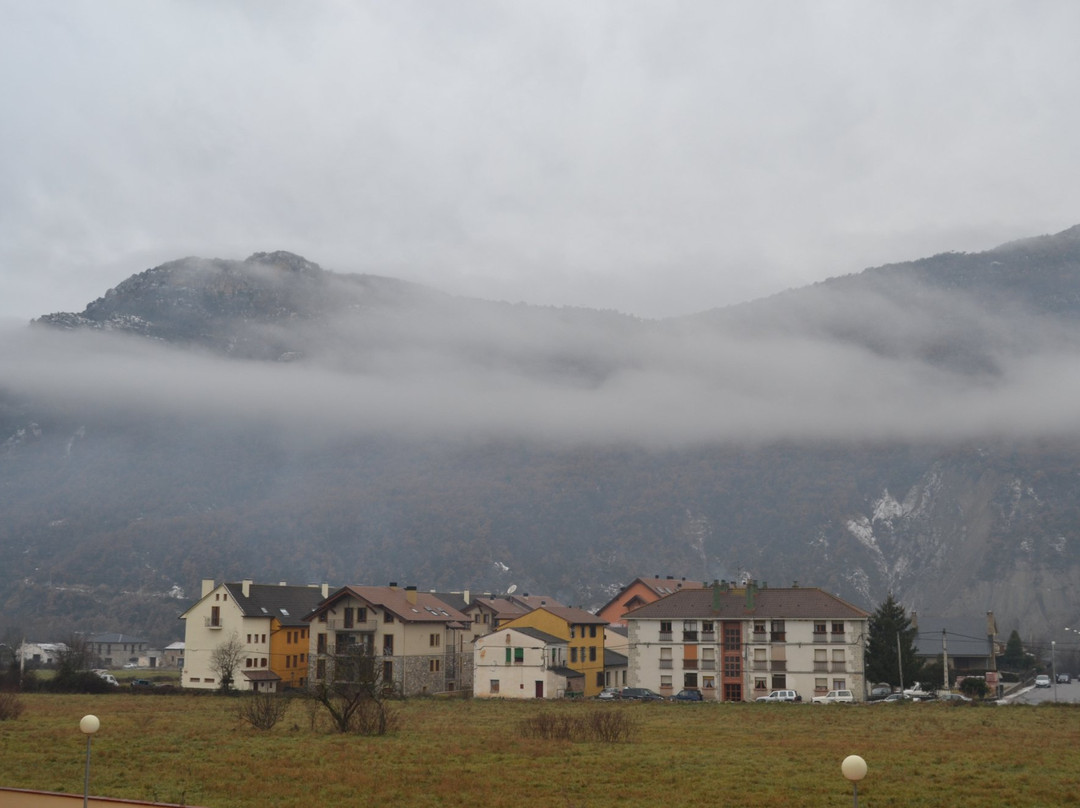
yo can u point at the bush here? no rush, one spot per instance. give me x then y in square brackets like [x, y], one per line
[604, 726]
[10, 706]
[263, 710]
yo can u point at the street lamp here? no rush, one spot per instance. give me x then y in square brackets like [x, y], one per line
[854, 769]
[89, 725]
[1053, 665]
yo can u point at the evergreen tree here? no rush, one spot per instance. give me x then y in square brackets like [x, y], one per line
[886, 624]
[1015, 658]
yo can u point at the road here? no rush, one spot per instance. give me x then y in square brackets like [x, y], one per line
[1069, 693]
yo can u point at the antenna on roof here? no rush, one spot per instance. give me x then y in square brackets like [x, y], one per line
[511, 589]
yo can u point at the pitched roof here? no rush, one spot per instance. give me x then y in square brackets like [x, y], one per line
[537, 634]
[613, 659]
[288, 604]
[115, 638]
[659, 586]
[577, 616]
[717, 603]
[428, 608]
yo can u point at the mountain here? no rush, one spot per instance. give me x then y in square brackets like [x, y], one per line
[908, 429]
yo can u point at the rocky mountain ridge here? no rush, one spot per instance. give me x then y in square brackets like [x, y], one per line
[452, 443]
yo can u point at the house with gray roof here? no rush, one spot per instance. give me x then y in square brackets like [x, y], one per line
[736, 643]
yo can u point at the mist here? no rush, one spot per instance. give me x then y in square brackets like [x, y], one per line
[465, 369]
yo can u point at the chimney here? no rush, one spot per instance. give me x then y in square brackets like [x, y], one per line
[716, 590]
[207, 586]
[393, 585]
[410, 594]
[751, 591]
[468, 598]
[282, 583]
[245, 587]
[325, 589]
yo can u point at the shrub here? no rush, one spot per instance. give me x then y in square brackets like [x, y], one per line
[10, 706]
[604, 726]
[263, 710]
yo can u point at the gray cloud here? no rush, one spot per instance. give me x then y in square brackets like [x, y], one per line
[655, 159]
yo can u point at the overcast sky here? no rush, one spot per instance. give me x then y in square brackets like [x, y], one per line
[654, 158]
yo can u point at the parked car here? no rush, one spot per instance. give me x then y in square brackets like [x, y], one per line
[878, 692]
[835, 697]
[953, 697]
[688, 695]
[1042, 680]
[108, 677]
[918, 692]
[608, 694]
[640, 694]
[781, 695]
[893, 698]
[141, 684]
[1063, 678]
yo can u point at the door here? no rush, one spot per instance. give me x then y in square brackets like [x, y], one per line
[539, 689]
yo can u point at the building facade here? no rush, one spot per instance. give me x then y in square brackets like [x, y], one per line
[739, 643]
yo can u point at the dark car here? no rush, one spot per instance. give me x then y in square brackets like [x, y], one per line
[141, 684]
[688, 695]
[640, 694]
[879, 692]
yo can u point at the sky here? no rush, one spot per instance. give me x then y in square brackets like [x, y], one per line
[656, 159]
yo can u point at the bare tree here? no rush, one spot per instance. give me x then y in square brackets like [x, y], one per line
[355, 694]
[225, 661]
[262, 710]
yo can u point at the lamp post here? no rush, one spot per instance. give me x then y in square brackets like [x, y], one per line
[1053, 665]
[854, 769]
[89, 725]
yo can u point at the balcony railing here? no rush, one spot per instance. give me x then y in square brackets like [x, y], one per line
[341, 624]
[665, 636]
[778, 636]
[689, 636]
[821, 636]
[213, 622]
[689, 664]
[666, 664]
[838, 637]
[708, 636]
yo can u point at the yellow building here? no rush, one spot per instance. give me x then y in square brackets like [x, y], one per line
[584, 635]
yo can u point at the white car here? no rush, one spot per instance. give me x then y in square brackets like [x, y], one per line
[781, 695]
[835, 697]
[1042, 680]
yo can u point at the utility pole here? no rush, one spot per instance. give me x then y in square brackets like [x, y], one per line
[945, 659]
[900, 661]
[1053, 665]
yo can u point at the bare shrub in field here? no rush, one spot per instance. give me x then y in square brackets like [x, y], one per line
[263, 710]
[354, 694]
[10, 706]
[603, 726]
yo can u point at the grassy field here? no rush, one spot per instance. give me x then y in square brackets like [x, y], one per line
[194, 750]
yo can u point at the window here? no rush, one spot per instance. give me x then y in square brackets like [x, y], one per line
[592, 631]
[247, 662]
[215, 615]
[249, 639]
[322, 617]
[760, 683]
[690, 680]
[573, 630]
[433, 640]
[838, 627]
[838, 659]
[732, 692]
[759, 626]
[264, 638]
[839, 684]
[493, 686]
[592, 653]
[821, 659]
[665, 681]
[519, 656]
[732, 638]
[600, 679]
[434, 665]
[573, 653]
[707, 627]
[387, 617]
[779, 681]
[388, 644]
[732, 666]
[348, 617]
[708, 682]
[821, 685]
[262, 662]
[819, 627]
[776, 631]
[689, 630]
[320, 643]
[509, 654]
[665, 629]
[665, 658]
[361, 614]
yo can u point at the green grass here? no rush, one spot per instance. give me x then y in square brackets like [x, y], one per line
[189, 749]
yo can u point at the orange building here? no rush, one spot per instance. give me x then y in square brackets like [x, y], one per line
[642, 591]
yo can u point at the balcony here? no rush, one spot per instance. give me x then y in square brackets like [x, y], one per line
[778, 636]
[665, 636]
[213, 622]
[666, 664]
[708, 636]
[341, 624]
[821, 636]
[838, 637]
[689, 636]
[689, 664]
